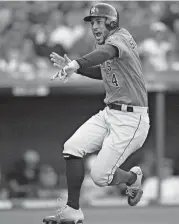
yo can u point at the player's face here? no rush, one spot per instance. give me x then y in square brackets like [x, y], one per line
[99, 29]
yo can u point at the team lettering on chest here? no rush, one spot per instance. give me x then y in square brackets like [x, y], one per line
[107, 67]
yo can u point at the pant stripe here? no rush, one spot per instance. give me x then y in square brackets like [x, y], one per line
[125, 148]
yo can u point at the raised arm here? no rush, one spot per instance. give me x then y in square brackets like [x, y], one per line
[92, 72]
[88, 65]
[98, 56]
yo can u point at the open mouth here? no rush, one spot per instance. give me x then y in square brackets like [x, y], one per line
[98, 36]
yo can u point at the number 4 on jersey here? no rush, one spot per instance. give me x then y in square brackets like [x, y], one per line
[114, 80]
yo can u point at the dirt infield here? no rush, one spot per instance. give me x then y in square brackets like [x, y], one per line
[151, 215]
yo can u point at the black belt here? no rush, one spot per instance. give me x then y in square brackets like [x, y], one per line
[119, 107]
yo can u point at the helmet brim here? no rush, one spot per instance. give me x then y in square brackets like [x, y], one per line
[88, 18]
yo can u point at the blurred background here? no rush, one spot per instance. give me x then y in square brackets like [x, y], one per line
[37, 116]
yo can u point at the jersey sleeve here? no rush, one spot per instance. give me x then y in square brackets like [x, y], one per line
[92, 72]
[117, 42]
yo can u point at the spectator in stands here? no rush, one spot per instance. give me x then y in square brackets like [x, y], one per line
[147, 163]
[43, 44]
[169, 14]
[5, 19]
[49, 185]
[3, 188]
[56, 25]
[169, 184]
[157, 50]
[68, 31]
[176, 47]
[22, 179]
[38, 12]
[83, 44]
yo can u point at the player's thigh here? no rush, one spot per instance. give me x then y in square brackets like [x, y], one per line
[88, 138]
[122, 141]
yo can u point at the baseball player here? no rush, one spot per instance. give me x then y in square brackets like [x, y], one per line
[121, 127]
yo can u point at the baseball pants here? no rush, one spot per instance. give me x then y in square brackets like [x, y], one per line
[115, 134]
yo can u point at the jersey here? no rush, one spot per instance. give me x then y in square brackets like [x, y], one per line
[122, 76]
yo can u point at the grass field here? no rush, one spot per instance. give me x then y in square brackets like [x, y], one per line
[146, 215]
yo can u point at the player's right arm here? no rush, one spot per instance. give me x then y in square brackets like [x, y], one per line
[88, 65]
[98, 56]
[92, 72]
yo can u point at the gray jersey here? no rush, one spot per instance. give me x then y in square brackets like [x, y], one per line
[122, 76]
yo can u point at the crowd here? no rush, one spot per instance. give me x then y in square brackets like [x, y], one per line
[31, 30]
[28, 178]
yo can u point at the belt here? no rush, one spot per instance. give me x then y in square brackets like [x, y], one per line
[126, 108]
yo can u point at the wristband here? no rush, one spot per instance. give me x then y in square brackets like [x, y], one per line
[74, 64]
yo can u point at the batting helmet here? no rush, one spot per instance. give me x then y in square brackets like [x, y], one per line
[107, 11]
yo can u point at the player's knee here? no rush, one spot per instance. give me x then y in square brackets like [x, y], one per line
[67, 146]
[72, 149]
[98, 178]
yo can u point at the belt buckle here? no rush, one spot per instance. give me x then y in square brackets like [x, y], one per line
[124, 107]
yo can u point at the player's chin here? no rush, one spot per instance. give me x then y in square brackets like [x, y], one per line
[101, 41]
